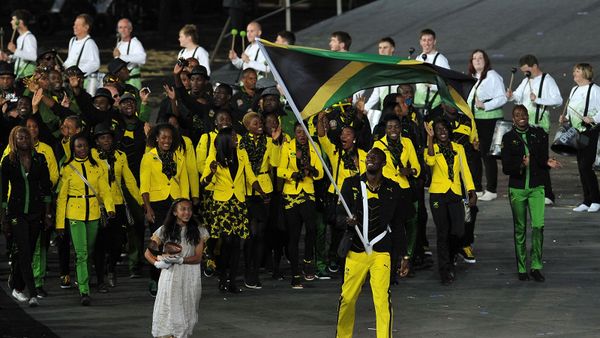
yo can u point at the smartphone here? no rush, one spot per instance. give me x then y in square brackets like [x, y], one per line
[146, 89]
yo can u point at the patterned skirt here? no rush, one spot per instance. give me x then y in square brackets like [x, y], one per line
[228, 217]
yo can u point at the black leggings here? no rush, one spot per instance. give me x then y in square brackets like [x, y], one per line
[64, 250]
[485, 130]
[303, 213]
[449, 218]
[109, 241]
[258, 213]
[585, 162]
[25, 233]
[229, 258]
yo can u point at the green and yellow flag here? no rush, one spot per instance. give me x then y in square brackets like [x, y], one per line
[317, 78]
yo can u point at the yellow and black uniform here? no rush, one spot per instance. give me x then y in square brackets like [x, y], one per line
[163, 176]
[343, 164]
[263, 154]
[464, 132]
[299, 200]
[228, 210]
[110, 238]
[192, 170]
[448, 167]
[383, 216]
[402, 154]
[24, 209]
[80, 205]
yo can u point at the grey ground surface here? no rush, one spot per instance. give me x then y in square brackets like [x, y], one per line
[486, 300]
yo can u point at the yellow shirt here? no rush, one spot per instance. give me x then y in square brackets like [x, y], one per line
[270, 159]
[408, 158]
[440, 182]
[155, 183]
[192, 170]
[122, 171]
[339, 172]
[288, 166]
[225, 186]
[76, 201]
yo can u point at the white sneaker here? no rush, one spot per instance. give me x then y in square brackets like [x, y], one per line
[20, 296]
[33, 302]
[581, 208]
[548, 201]
[479, 194]
[488, 196]
[594, 207]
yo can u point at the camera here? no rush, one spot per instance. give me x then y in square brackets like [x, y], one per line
[182, 62]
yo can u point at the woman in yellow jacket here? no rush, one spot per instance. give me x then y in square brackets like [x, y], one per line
[229, 172]
[300, 167]
[401, 163]
[263, 153]
[346, 161]
[449, 166]
[204, 147]
[79, 202]
[186, 148]
[163, 178]
[110, 239]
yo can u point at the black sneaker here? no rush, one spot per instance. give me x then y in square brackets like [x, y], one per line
[85, 299]
[523, 276]
[467, 255]
[65, 282]
[41, 293]
[309, 270]
[102, 288]
[297, 283]
[537, 275]
[323, 275]
[252, 285]
[333, 267]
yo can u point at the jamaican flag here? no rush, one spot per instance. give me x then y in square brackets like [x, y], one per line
[316, 78]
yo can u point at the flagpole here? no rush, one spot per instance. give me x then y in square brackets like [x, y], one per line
[292, 104]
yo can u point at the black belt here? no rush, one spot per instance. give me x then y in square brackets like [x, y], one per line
[81, 196]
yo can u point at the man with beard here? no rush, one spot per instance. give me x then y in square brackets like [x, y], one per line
[133, 144]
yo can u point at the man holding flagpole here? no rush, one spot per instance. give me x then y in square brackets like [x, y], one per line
[375, 217]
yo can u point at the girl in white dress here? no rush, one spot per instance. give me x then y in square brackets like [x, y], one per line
[179, 286]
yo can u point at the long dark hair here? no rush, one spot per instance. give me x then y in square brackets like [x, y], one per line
[155, 131]
[72, 148]
[223, 146]
[487, 64]
[172, 230]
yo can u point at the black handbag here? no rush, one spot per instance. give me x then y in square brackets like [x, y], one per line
[346, 243]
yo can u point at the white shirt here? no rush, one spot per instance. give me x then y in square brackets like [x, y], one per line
[198, 53]
[576, 107]
[26, 51]
[90, 56]
[550, 93]
[257, 59]
[491, 91]
[440, 61]
[132, 52]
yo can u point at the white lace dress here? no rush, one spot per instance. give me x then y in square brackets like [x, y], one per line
[178, 297]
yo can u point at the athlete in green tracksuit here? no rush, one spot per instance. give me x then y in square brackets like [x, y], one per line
[525, 160]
